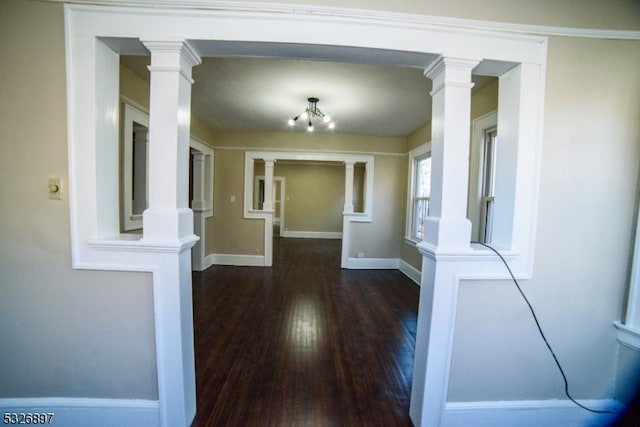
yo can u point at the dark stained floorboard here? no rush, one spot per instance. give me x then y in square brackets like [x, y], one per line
[303, 343]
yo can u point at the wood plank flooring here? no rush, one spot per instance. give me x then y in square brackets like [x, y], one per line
[303, 343]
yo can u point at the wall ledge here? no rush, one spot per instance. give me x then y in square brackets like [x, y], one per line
[628, 336]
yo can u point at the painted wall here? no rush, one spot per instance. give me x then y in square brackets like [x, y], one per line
[590, 159]
[314, 196]
[230, 232]
[382, 237]
[64, 332]
[621, 14]
[90, 334]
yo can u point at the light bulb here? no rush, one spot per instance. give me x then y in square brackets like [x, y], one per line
[310, 128]
[332, 125]
[326, 119]
[304, 115]
[291, 122]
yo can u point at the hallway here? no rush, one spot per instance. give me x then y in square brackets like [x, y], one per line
[303, 343]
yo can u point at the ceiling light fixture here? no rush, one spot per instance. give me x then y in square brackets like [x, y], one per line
[311, 113]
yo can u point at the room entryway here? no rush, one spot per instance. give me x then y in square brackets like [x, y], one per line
[304, 342]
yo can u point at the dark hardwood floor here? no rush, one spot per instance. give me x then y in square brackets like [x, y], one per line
[303, 343]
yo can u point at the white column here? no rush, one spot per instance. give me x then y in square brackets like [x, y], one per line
[447, 226]
[168, 217]
[447, 236]
[168, 227]
[348, 187]
[268, 185]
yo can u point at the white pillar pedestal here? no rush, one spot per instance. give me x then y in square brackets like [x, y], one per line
[168, 227]
[447, 237]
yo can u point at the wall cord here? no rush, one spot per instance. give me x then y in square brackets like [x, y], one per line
[544, 338]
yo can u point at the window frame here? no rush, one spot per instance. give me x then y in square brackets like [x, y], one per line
[415, 155]
[488, 179]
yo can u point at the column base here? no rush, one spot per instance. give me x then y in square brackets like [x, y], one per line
[450, 235]
[167, 225]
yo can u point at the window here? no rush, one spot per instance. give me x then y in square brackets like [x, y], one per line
[419, 191]
[488, 184]
[134, 171]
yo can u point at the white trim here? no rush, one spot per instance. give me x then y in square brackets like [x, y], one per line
[530, 413]
[233, 259]
[628, 336]
[423, 150]
[448, 22]
[312, 234]
[373, 263]
[267, 214]
[476, 165]
[79, 412]
[207, 150]
[410, 271]
[387, 38]
[302, 150]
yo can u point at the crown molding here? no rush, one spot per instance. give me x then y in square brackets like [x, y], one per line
[440, 21]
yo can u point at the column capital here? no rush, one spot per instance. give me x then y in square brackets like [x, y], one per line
[450, 71]
[442, 63]
[172, 55]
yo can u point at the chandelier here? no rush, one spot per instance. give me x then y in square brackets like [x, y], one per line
[313, 112]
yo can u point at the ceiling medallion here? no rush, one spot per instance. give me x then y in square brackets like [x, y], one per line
[311, 113]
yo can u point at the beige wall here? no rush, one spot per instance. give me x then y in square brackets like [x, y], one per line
[231, 233]
[620, 14]
[382, 237]
[588, 183]
[314, 196]
[65, 333]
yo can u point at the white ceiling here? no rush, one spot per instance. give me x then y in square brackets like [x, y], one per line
[261, 94]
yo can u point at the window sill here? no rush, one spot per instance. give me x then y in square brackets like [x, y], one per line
[411, 242]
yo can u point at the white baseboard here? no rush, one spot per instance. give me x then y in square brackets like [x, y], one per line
[530, 413]
[372, 263]
[231, 259]
[410, 271]
[81, 412]
[313, 234]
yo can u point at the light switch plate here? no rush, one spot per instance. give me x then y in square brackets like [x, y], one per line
[55, 189]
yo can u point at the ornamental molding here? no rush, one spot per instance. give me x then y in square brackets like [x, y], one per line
[319, 11]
